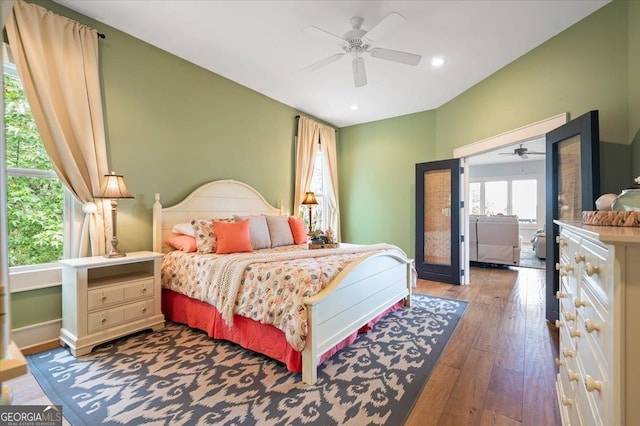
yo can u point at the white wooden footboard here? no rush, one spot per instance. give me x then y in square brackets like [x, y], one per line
[358, 294]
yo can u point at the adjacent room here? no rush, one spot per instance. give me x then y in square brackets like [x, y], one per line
[320, 212]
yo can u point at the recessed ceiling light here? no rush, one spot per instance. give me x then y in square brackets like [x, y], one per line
[437, 61]
[353, 107]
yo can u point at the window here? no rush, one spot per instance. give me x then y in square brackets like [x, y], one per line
[35, 196]
[508, 196]
[318, 187]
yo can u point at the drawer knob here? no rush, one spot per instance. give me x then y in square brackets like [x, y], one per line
[568, 268]
[566, 401]
[573, 376]
[558, 267]
[144, 289]
[561, 242]
[592, 269]
[592, 385]
[104, 298]
[561, 295]
[591, 326]
[570, 316]
[559, 362]
[579, 258]
[579, 303]
[103, 320]
[144, 310]
[575, 332]
[558, 324]
[567, 353]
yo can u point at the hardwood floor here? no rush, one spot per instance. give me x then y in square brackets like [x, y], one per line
[497, 369]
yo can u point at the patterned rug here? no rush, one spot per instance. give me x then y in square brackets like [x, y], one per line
[528, 259]
[180, 376]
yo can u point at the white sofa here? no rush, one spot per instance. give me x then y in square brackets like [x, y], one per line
[494, 239]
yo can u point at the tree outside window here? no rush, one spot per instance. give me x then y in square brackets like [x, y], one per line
[35, 196]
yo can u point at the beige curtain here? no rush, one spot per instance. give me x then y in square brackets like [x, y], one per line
[306, 150]
[57, 60]
[328, 142]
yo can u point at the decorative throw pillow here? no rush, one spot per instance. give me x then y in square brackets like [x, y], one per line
[232, 237]
[258, 230]
[204, 235]
[298, 230]
[279, 231]
[183, 229]
[182, 242]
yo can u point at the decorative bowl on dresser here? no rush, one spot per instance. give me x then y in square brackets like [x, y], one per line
[598, 382]
[105, 298]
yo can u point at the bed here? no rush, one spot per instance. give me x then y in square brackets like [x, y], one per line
[373, 282]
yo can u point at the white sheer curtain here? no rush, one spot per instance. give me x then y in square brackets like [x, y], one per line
[57, 60]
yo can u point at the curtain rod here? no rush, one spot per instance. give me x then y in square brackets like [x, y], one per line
[100, 35]
[334, 129]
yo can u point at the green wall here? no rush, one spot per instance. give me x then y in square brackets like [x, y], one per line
[376, 173]
[634, 84]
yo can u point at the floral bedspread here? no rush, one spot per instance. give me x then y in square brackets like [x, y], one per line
[270, 292]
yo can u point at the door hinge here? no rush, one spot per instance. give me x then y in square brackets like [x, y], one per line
[461, 170]
[462, 238]
[461, 272]
[461, 204]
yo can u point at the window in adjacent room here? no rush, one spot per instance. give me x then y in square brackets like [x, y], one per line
[35, 195]
[508, 197]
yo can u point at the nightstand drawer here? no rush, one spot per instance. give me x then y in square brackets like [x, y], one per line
[138, 289]
[138, 310]
[104, 297]
[105, 319]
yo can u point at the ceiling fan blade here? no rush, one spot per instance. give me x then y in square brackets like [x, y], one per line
[321, 34]
[359, 74]
[383, 27]
[323, 62]
[396, 56]
[524, 156]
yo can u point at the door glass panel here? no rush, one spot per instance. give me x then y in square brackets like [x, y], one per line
[569, 179]
[437, 217]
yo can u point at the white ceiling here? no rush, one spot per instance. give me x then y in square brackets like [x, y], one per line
[261, 45]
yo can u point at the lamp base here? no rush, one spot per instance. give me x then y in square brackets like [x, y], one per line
[114, 253]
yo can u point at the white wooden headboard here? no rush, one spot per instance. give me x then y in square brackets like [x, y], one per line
[217, 199]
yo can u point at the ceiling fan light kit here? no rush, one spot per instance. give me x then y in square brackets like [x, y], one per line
[357, 42]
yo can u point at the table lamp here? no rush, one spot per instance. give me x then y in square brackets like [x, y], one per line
[309, 201]
[114, 188]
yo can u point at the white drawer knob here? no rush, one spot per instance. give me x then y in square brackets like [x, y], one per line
[566, 401]
[579, 258]
[560, 241]
[568, 268]
[144, 310]
[570, 316]
[592, 269]
[592, 385]
[558, 324]
[579, 303]
[559, 362]
[558, 267]
[567, 353]
[144, 289]
[575, 332]
[573, 376]
[561, 295]
[591, 326]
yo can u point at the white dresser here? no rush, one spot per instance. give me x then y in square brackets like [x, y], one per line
[598, 382]
[107, 298]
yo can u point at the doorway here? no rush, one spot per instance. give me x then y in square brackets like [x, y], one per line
[523, 134]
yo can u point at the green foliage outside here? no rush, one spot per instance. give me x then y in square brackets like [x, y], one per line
[35, 204]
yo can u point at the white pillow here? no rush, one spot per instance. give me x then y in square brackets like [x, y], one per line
[183, 229]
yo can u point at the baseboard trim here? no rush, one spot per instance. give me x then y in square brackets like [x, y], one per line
[37, 337]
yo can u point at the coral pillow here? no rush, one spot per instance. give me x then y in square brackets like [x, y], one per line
[182, 242]
[233, 237]
[298, 230]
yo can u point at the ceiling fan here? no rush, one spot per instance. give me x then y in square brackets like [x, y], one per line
[357, 42]
[522, 152]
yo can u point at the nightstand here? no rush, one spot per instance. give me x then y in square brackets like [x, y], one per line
[103, 299]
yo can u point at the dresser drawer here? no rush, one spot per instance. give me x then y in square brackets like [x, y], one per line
[595, 271]
[594, 323]
[139, 310]
[138, 289]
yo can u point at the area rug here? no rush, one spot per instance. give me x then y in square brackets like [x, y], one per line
[528, 259]
[180, 376]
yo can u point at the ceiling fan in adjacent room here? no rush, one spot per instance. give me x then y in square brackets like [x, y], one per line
[522, 152]
[358, 42]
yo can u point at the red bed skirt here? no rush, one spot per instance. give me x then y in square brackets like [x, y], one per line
[263, 338]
